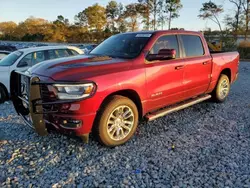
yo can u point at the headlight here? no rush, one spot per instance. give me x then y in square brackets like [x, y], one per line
[73, 91]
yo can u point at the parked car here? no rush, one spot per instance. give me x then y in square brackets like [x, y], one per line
[127, 78]
[8, 48]
[87, 48]
[24, 58]
[3, 54]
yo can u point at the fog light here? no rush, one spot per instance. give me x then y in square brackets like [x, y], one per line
[71, 124]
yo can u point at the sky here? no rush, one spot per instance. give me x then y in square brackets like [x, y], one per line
[19, 10]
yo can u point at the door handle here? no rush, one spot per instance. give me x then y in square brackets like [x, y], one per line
[205, 62]
[179, 67]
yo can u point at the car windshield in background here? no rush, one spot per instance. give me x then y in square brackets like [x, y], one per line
[122, 46]
[10, 59]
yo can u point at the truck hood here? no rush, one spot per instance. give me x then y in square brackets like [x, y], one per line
[79, 67]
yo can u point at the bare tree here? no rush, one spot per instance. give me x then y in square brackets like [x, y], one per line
[245, 5]
[238, 5]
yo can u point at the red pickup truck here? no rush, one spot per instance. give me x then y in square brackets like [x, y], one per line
[127, 78]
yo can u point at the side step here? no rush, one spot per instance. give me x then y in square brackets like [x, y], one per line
[174, 108]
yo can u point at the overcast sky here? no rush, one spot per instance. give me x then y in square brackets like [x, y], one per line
[19, 10]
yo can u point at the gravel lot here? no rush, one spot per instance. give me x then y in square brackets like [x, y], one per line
[207, 145]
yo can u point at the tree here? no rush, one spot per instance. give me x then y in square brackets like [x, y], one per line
[238, 5]
[61, 20]
[7, 29]
[211, 11]
[121, 21]
[245, 5]
[150, 8]
[132, 14]
[112, 12]
[94, 17]
[172, 8]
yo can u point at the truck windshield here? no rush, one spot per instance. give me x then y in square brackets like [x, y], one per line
[10, 59]
[125, 46]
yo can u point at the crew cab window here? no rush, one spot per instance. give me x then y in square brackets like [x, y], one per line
[166, 42]
[39, 57]
[192, 45]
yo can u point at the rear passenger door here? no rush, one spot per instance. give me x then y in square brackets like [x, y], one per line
[198, 66]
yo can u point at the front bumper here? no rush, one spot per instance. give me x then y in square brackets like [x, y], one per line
[29, 102]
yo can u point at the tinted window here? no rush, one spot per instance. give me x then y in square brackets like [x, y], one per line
[74, 52]
[27, 60]
[62, 53]
[10, 59]
[52, 54]
[192, 45]
[166, 42]
[122, 46]
[39, 57]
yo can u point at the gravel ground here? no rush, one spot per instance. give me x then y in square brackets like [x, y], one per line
[207, 145]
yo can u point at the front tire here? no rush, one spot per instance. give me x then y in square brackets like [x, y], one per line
[117, 121]
[222, 89]
[3, 95]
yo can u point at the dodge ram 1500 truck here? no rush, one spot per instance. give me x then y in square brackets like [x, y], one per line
[127, 78]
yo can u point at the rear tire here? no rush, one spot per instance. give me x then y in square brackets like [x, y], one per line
[3, 95]
[116, 122]
[222, 89]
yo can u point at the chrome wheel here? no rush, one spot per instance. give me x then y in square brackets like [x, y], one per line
[224, 88]
[120, 122]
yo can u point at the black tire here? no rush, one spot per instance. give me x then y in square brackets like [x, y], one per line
[108, 111]
[3, 95]
[217, 96]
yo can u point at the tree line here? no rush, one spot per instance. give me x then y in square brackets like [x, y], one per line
[97, 22]
[236, 23]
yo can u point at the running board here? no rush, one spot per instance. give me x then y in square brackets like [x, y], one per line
[175, 108]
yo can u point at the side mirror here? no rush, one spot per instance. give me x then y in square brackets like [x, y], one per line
[23, 64]
[163, 54]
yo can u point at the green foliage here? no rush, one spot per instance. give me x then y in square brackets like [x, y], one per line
[172, 8]
[211, 11]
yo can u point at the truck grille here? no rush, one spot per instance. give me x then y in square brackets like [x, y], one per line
[46, 97]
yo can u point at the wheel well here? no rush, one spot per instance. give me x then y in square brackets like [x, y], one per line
[5, 90]
[132, 95]
[227, 72]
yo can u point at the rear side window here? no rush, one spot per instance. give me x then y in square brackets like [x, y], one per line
[52, 54]
[166, 42]
[39, 57]
[74, 52]
[62, 53]
[192, 45]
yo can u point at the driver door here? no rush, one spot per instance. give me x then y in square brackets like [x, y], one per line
[165, 78]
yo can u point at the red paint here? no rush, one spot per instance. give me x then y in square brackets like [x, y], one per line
[157, 84]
